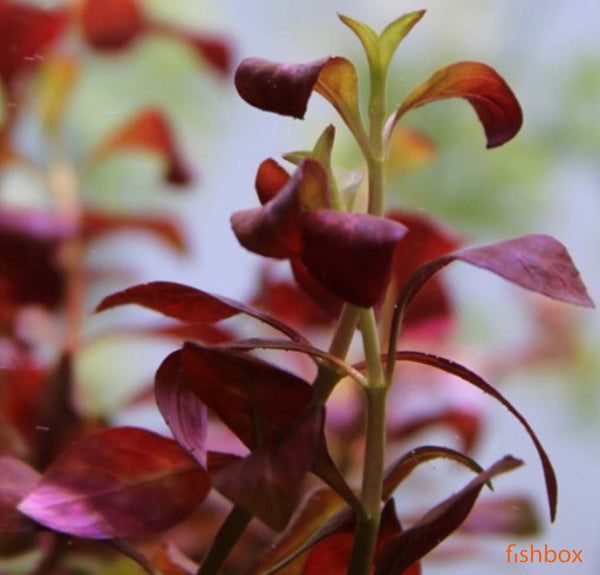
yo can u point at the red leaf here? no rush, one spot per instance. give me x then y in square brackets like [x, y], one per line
[270, 179]
[111, 24]
[490, 96]
[96, 224]
[350, 254]
[213, 49]
[17, 479]
[328, 302]
[268, 482]
[286, 88]
[437, 524]
[118, 483]
[535, 262]
[467, 375]
[27, 33]
[184, 413]
[245, 392]
[150, 131]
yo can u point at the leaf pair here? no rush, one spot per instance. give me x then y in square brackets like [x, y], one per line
[349, 254]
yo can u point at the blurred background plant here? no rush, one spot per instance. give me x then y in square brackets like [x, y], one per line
[67, 96]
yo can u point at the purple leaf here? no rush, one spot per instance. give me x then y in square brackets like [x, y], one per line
[118, 483]
[17, 479]
[184, 413]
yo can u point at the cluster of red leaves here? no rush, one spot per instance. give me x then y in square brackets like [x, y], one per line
[126, 482]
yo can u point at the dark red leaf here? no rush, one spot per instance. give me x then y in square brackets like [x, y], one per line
[17, 479]
[96, 224]
[328, 302]
[150, 131]
[267, 483]
[184, 413]
[467, 375]
[270, 179]
[245, 392]
[398, 471]
[350, 254]
[111, 24]
[118, 483]
[535, 262]
[27, 33]
[490, 96]
[30, 271]
[274, 87]
[188, 304]
[437, 524]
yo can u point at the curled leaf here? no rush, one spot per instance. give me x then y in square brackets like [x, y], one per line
[118, 483]
[411, 545]
[149, 131]
[270, 179]
[467, 375]
[286, 88]
[490, 96]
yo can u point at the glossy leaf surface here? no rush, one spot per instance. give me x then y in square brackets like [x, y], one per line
[118, 483]
[437, 524]
[490, 96]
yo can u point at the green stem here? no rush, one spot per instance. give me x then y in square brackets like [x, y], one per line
[225, 540]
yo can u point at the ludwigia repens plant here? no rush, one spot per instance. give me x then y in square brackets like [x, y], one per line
[367, 270]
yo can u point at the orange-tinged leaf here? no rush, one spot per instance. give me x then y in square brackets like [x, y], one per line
[150, 131]
[271, 177]
[408, 149]
[490, 96]
[59, 75]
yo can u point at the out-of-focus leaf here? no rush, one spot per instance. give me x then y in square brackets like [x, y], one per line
[314, 512]
[467, 375]
[466, 425]
[184, 413]
[398, 471]
[110, 25]
[58, 77]
[286, 88]
[267, 483]
[350, 254]
[27, 33]
[169, 560]
[149, 130]
[189, 304]
[490, 96]
[512, 515]
[271, 177]
[96, 224]
[411, 545]
[17, 479]
[214, 50]
[408, 149]
[118, 483]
